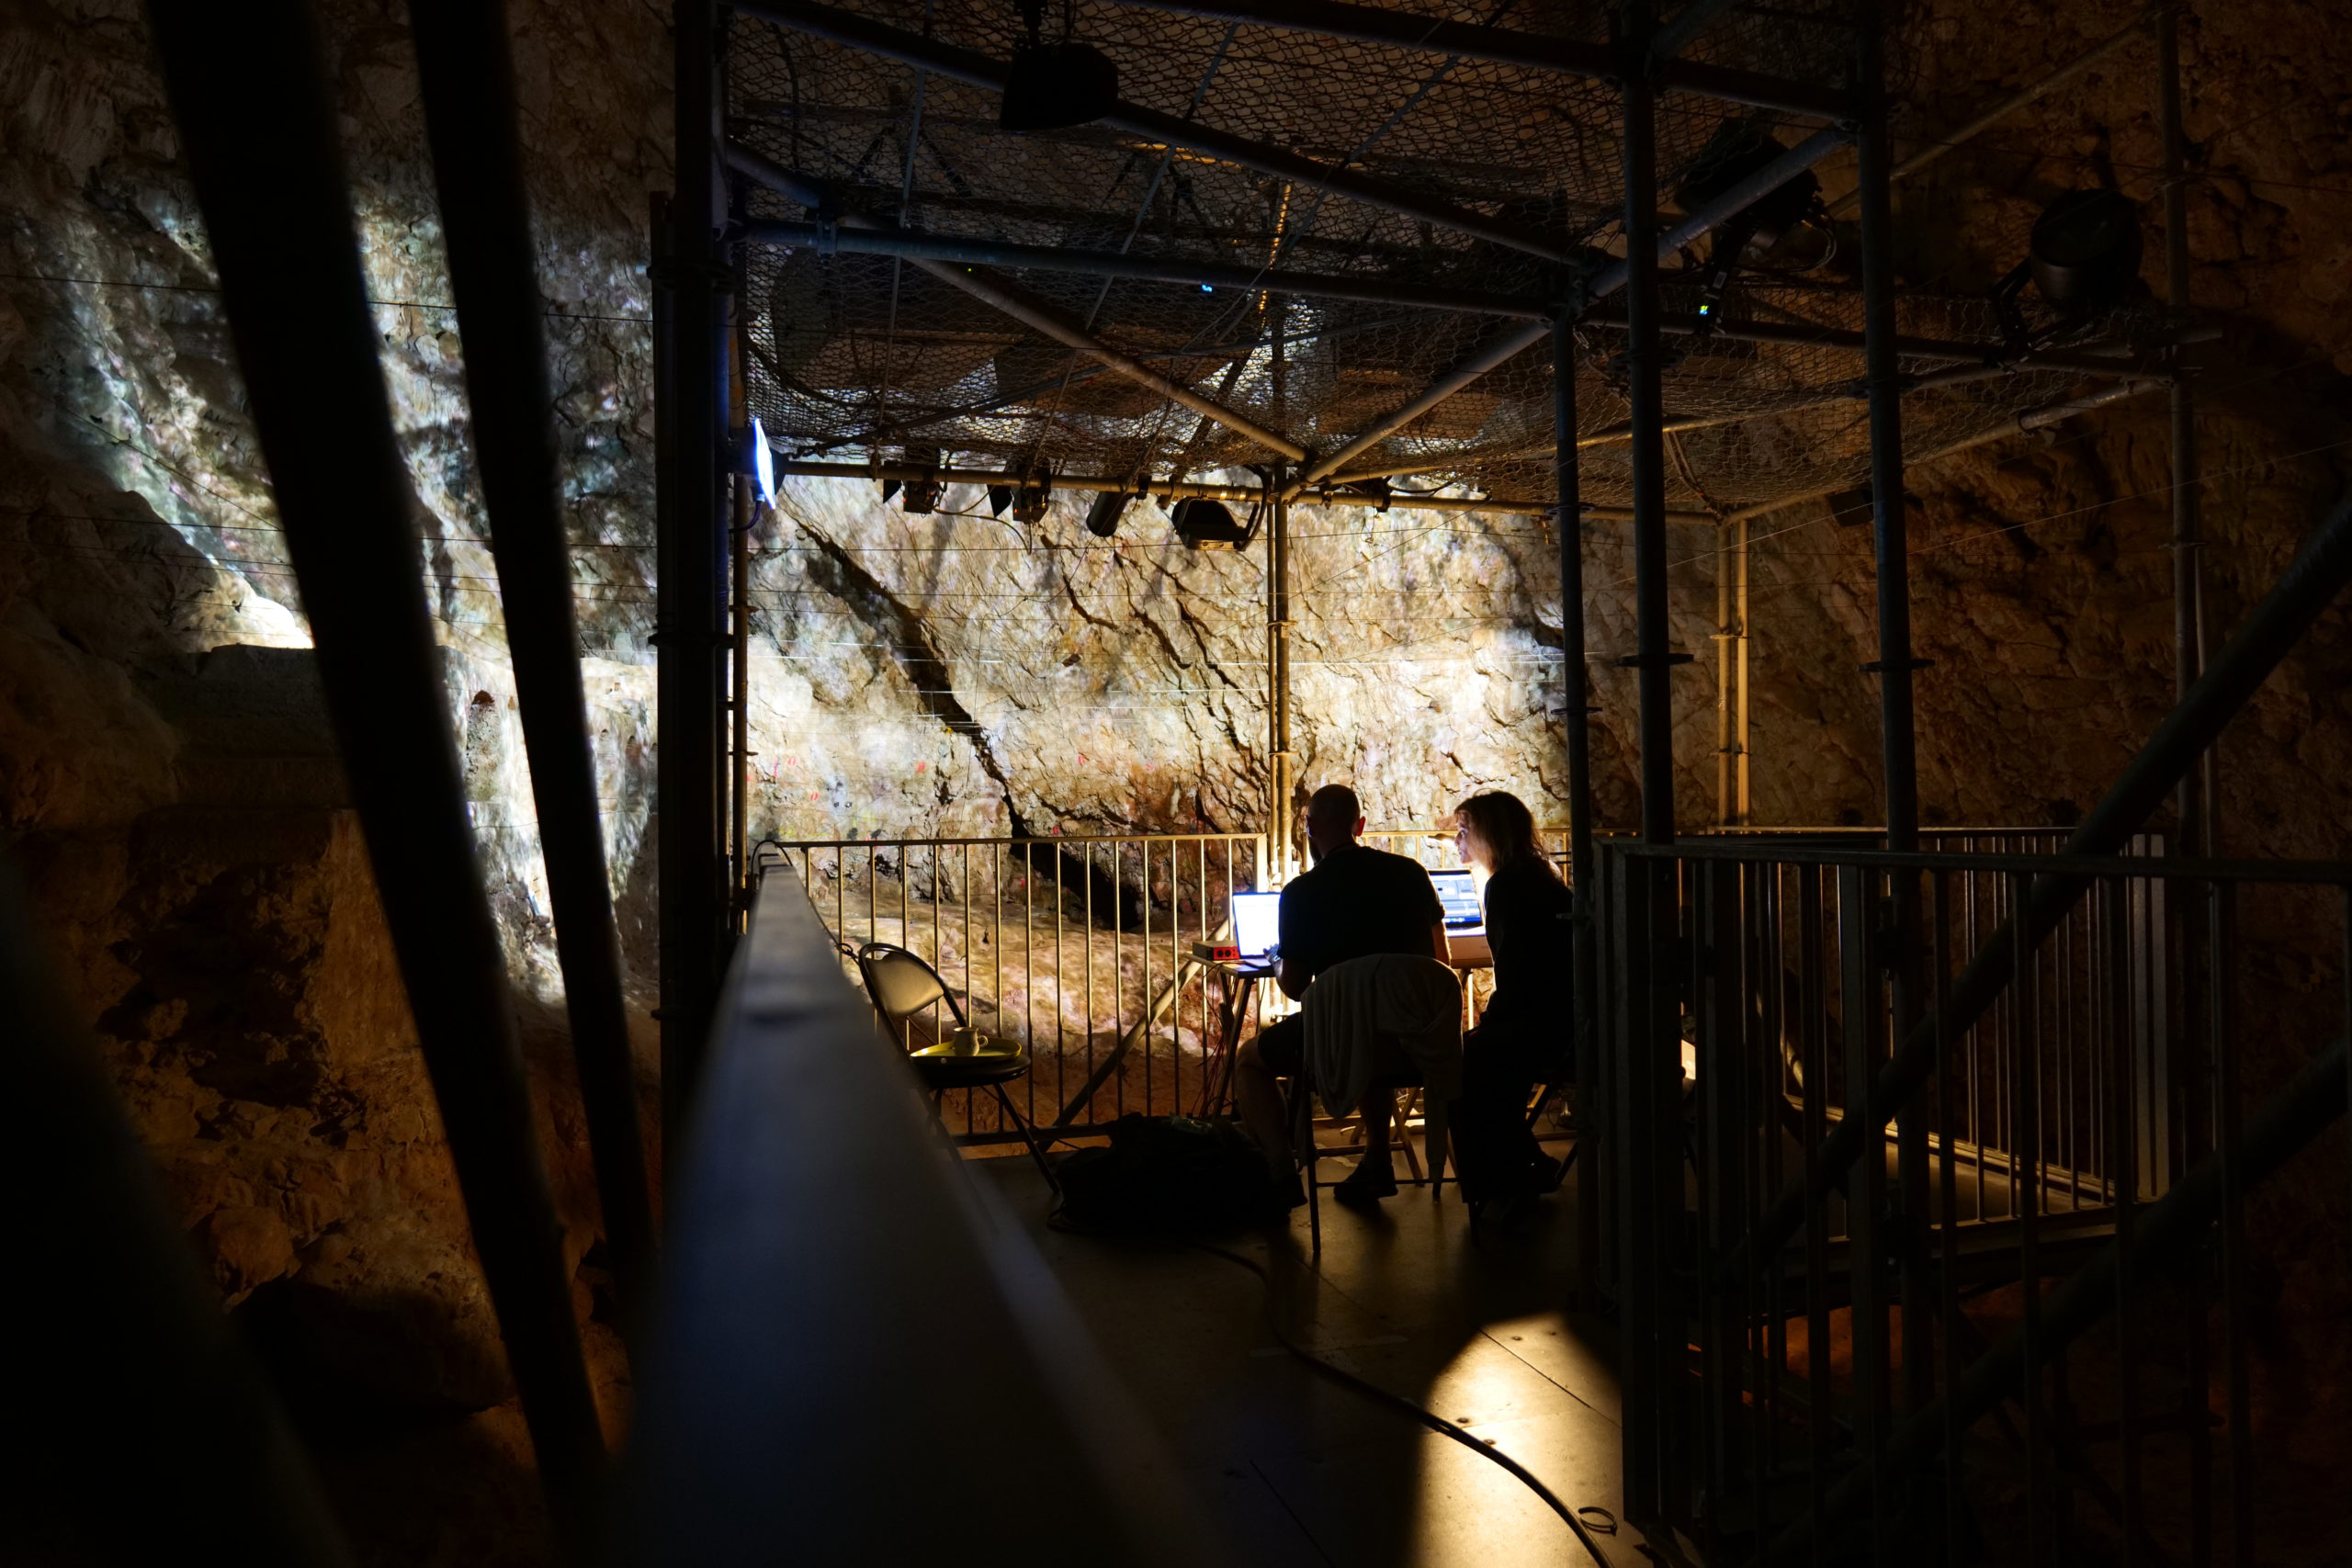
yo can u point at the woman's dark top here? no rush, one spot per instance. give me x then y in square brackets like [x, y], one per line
[1530, 940]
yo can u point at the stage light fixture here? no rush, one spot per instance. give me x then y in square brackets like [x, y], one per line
[1029, 500]
[999, 497]
[1206, 524]
[921, 497]
[2083, 257]
[2084, 251]
[1103, 518]
[1737, 153]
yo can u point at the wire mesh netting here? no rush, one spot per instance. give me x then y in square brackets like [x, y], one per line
[869, 358]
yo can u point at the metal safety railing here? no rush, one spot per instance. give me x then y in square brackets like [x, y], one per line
[1081, 949]
[2053, 1064]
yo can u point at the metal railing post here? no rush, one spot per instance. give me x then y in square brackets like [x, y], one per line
[1575, 714]
[691, 679]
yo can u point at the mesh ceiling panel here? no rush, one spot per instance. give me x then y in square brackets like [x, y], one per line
[868, 358]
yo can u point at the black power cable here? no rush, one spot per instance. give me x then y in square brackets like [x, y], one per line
[1434, 1422]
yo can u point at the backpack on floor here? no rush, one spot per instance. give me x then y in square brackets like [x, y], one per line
[1164, 1173]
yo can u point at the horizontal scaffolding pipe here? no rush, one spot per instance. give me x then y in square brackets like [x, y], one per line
[1034, 314]
[1505, 46]
[1112, 263]
[1175, 489]
[2024, 423]
[1942, 351]
[1158, 129]
[1607, 280]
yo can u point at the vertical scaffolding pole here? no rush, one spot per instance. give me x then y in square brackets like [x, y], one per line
[1646, 1190]
[2193, 797]
[1742, 807]
[737, 774]
[1898, 752]
[1576, 710]
[738, 706]
[2188, 566]
[1281, 778]
[466, 74]
[1730, 665]
[1645, 391]
[691, 650]
[1894, 665]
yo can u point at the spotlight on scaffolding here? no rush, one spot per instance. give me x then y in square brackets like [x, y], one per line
[1029, 500]
[999, 497]
[1052, 87]
[1762, 228]
[1103, 518]
[1206, 524]
[921, 496]
[2082, 259]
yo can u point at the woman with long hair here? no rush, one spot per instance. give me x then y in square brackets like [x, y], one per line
[1522, 1036]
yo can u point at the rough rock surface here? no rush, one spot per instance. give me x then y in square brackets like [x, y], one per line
[208, 898]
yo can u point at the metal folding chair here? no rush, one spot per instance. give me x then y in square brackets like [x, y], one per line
[903, 985]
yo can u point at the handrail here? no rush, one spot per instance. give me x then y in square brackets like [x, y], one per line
[853, 1354]
[1249, 837]
[2320, 872]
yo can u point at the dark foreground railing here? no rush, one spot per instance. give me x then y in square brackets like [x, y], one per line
[2023, 1317]
[856, 1359]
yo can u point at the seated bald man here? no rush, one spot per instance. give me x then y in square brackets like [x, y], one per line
[1354, 903]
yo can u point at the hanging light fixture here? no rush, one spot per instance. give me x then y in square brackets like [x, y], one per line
[1737, 153]
[2082, 259]
[1103, 518]
[1052, 87]
[1205, 524]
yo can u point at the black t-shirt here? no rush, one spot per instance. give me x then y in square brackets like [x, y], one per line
[1531, 945]
[1354, 903]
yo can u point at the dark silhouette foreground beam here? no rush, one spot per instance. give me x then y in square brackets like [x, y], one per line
[977, 70]
[258, 130]
[468, 82]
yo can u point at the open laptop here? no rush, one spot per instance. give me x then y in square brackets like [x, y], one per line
[1457, 891]
[1256, 924]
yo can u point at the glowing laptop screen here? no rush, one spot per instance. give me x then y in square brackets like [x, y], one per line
[1257, 922]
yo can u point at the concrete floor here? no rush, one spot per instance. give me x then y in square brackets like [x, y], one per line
[1292, 1471]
